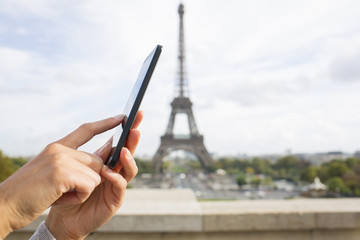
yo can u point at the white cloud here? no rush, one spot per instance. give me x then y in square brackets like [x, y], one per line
[12, 59]
[346, 68]
[38, 8]
[259, 72]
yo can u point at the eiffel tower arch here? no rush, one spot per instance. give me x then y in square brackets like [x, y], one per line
[194, 142]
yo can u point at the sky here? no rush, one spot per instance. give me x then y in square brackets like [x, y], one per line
[264, 76]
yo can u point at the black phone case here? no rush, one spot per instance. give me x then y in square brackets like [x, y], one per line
[111, 163]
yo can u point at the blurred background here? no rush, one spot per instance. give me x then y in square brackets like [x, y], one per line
[275, 87]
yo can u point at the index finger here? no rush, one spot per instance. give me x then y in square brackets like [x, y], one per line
[88, 130]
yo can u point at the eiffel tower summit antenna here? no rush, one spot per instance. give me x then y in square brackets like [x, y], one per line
[181, 52]
[194, 142]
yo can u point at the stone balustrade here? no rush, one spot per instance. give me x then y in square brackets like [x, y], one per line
[176, 214]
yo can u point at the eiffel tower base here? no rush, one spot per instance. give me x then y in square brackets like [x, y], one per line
[170, 143]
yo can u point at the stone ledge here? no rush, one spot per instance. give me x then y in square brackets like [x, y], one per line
[175, 211]
[265, 215]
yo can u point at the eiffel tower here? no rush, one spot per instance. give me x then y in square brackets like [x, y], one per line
[194, 142]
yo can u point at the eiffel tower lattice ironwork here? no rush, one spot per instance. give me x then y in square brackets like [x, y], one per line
[181, 104]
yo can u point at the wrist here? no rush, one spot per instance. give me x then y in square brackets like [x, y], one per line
[54, 227]
[5, 219]
[58, 229]
[5, 227]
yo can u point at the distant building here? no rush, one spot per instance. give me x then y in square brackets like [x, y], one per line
[357, 154]
[315, 159]
[320, 158]
[316, 189]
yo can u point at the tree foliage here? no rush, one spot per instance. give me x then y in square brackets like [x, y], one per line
[144, 166]
[337, 168]
[241, 179]
[336, 184]
[293, 169]
[9, 165]
[308, 174]
[6, 167]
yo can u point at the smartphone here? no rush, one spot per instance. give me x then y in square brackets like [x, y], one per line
[132, 105]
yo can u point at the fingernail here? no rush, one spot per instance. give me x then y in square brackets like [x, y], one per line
[120, 116]
[128, 154]
[102, 149]
[107, 169]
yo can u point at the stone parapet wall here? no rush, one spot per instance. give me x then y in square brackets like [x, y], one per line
[176, 214]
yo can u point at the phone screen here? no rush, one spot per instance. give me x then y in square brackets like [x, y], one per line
[133, 104]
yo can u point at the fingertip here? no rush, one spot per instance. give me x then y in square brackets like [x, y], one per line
[141, 114]
[88, 130]
[126, 158]
[129, 168]
[106, 169]
[104, 151]
[108, 173]
[114, 177]
[119, 117]
[126, 154]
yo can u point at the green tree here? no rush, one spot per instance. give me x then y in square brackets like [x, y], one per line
[232, 165]
[352, 181]
[211, 168]
[261, 166]
[289, 167]
[258, 165]
[144, 166]
[165, 166]
[337, 168]
[356, 169]
[178, 169]
[255, 181]
[6, 167]
[18, 162]
[352, 162]
[336, 184]
[249, 170]
[308, 174]
[282, 173]
[288, 162]
[195, 165]
[323, 173]
[241, 179]
[356, 192]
